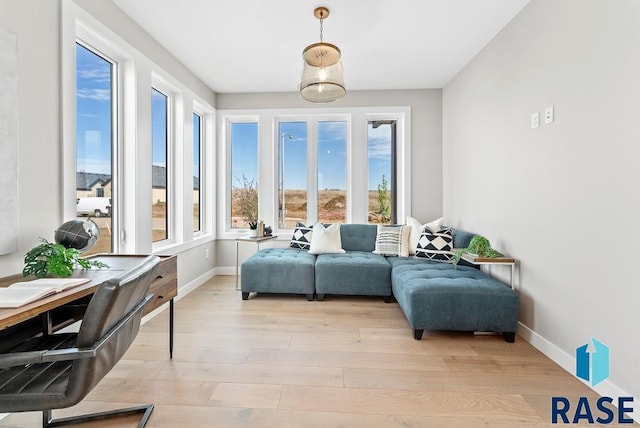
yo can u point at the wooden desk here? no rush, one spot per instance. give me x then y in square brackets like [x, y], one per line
[55, 312]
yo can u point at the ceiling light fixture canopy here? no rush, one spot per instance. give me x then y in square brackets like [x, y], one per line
[322, 79]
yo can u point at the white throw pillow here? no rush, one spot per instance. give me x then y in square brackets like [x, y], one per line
[326, 240]
[416, 231]
[393, 240]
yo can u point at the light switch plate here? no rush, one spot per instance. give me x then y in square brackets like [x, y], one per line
[535, 120]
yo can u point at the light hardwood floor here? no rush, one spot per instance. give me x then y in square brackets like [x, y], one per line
[280, 361]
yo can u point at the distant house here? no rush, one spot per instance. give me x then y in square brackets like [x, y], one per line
[90, 184]
[159, 184]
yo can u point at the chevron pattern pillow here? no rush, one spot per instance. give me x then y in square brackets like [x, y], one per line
[301, 237]
[436, 246]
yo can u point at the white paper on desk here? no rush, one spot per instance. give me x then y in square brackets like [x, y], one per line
[21, 293]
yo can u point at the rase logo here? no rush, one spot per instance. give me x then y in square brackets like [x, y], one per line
[592, 366]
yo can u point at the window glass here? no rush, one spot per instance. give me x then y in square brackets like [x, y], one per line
[159, 143]
[197, 143]
[94, 142]
[292, 174]
[381, 155]
[244, 173]
[332, 172]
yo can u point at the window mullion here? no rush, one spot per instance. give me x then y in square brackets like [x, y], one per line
[312, 171]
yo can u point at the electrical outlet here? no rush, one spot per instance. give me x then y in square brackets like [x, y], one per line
[535, 120]
[548, 115]
[206, 253]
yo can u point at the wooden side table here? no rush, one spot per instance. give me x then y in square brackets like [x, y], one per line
[486, 261]
[256, 241]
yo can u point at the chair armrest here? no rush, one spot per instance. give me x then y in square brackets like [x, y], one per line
[21, 358]
[66, 354]
[36, 357]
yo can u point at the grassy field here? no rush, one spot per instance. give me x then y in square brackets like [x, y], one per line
[332, 207]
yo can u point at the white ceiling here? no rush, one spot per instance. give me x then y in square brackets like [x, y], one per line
[256, 45]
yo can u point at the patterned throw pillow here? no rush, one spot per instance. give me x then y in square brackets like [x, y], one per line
[301, 238]
[393, 241]
[436, 246]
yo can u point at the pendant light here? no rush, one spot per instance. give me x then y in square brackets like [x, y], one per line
[322, 79]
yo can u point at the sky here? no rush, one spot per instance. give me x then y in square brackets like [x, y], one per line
[93, 105]
[331, 153]
[93, 136]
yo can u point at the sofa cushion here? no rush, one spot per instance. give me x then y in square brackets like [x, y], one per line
[326, 240]
[279, 270]
[462, 238]
[436, 246]
[437, 296]
[393, 240]
[358, 237]
[353, 273]
[301, 238]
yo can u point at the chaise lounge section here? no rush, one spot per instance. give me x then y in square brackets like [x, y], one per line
[279, 270]
[435, 296]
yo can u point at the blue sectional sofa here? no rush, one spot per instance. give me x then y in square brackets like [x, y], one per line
[432, 295]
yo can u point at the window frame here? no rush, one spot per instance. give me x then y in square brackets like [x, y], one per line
[312, 162]
[166, 90]
[227, 181]
[394, 166]
[196, 112]
[357, 171]
[135, 75]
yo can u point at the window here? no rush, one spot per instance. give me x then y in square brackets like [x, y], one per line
[94, 138]
[292, 174]
[381, 142]
[332, 172]
[243, 177]
[317, 166]
[159, 150]
[312, 168]
[197, 167]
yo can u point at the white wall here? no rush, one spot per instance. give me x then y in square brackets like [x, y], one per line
[39, 205]
[562, 198]
[40, 194]
[426, 138]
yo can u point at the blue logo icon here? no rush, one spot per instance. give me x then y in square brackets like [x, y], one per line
[592, 366]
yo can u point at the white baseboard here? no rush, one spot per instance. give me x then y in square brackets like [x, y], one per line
[568, 362]
[226, 271]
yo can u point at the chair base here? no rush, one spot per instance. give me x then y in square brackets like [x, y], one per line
[48, 422]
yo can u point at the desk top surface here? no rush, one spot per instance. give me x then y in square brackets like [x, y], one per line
[116, 262]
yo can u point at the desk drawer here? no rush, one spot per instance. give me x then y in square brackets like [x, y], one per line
[165, 286]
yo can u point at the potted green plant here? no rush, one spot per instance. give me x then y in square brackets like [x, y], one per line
[478, 245]
[54, 259]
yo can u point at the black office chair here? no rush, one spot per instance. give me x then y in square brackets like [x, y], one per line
[57, 371]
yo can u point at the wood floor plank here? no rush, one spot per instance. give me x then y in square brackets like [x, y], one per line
[414, 402]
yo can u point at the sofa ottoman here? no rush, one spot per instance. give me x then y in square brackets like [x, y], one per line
[353, 273]
[279, 270]
[439, 296]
